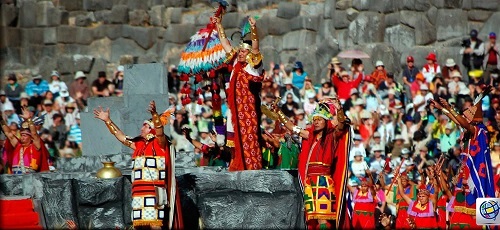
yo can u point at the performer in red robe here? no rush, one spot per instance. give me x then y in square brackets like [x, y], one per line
[26, 154]
[243, 118]
[365, 202]
[153, 167]
[323, 165]
[410, 191]
[421, 211]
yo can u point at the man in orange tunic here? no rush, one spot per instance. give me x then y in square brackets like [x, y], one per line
[243, 118]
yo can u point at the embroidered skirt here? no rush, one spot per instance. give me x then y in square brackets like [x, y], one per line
[319, 198]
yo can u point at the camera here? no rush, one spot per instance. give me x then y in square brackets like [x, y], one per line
[466, 43]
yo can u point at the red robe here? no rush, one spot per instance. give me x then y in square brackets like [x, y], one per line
[245, 120]
[36, 157]
[423, 215]
[335, 154]
[441, 210]
[364, 209]
[463, 213]
[402, 213]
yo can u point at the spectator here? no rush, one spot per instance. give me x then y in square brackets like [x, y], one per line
[358, 165]
[334, 69]
[290, 106]
[472, 52]
[300, 118]
[450, 66]
[298, 75]
[289, 89]
[63, 100]
[345, 85]
[102, 87]
[326, 90]
[75, 134]
[307, 90]
[310, 104]
[56, 85]
[349, 103]
[492, 58]
[173, 78]
[377, 162]
[70, 114]
[379, 74]
[10, 115]
[449, 139]
[48, 112]
[277, 74]
[36, 90]
[431, 68]
[58, 130]
[4, 101]
[13, 91]
[118, 81]
[409, 75]
[79, 90]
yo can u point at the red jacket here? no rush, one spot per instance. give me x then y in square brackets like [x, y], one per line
[344, 88]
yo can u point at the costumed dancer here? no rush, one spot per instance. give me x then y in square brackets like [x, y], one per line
[420, 211]
[462, 205]
[322, 162]
[152, 164]
[440, 193]
[365, 201]
[27, 153]
[409, 190]
[243, 123]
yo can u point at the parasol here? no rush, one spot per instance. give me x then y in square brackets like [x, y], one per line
[351, 54]
[204, 52]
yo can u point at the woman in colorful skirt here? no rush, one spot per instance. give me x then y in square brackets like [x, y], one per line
[151, 169]
[365, 202]
[421, 211]
[323, 164]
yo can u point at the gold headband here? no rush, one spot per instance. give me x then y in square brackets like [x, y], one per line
[245, 46]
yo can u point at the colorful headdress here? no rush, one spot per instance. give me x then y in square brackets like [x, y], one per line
[364, 181]
[423, 190]
[322, 110]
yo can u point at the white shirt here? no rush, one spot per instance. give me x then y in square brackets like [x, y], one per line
[386, 131]
[56, 86]
[360, 148]
[358, 168]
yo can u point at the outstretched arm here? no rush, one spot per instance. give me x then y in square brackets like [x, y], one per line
[103, 115]
[162, 140]
[8, 133]
[26, 115]
[222, 35]
[453, 115]
[255, 35]
[402, 193]
[287, 123]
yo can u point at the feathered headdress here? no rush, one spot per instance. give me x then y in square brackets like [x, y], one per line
[322, 110]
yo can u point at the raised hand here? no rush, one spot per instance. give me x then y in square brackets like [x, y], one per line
[26, 114]
[444, 103]
[251, 20]
[436, 104]
[274, 106]
[152, 107]
[101, 114]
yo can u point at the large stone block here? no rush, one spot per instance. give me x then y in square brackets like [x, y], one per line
[479, 15]
[94, 131]
[305, 22]
[485, 4]
[138, 5]
[203, 18]
[65, 64]
[275, 42]
[340, 19]
[59, 201]
[176, 15]
[71, 5]
[119, 14]
[32, 36]
[330, 10]
[392, 19]
[114, 31]
[312, 8]
[179, 33]
[8, 15]
[66, 34]
[422, 5]
[466, 4]
[50, 36]
[278, 26]
[26, 16]
[42, 13]
[84, 36]
[451, 23]
[145, 37]
[432, 15]
[157, 13]
[46, 65]
[178, 3]
[491, 25]
[151, 78]
[123, 46]
[232, 20]
[400, 36]
[425, 32]
[138, 18]
[384, 6]
[288, 10]
[296, 39]
[95, 5]
[343, 4]
[367, 28]
[103, 16]
[351, 14]
[84, 20]
[263, 26]
[440, 3]
[83, 62]
[452, 4]
[326, 30]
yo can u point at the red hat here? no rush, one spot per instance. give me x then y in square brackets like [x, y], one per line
[410, 59]
[495, 100]
[431, 56]
[423, 190]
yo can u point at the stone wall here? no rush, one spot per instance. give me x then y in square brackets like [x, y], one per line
[94, 35]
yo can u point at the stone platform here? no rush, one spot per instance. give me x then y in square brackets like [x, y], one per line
[211, 198]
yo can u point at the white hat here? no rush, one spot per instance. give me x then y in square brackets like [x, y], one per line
[391, 91]
[450, 62]
[64, 92]
[358, 101]
[377, 148]
[2, 92]
[365, 114]
[398, 137]
[449, 126]
[8, 106]
[287, 81]
[357, 137]
[79, 74]
[299, 111]
[24, 95]
[55, 73]
[353, 91]
[120, 68]
[379, 63]
[37, 77]
[456, 74]
[358, 153]
[424, 87]
[376, 134]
